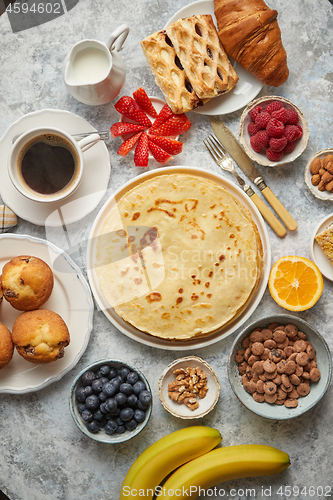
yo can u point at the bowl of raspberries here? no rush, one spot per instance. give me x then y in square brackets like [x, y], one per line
[273, 131]
[110, 401]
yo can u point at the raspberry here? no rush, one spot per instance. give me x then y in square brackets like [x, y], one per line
[259, 140]
[289, 147]
[274, 106]
[272, 156]
[281, 115]
[252, 128]
[255, 112]
[274, 128]
[262, 119]
[291, 132]
[300, 133]
[277, 143]
[292, 117]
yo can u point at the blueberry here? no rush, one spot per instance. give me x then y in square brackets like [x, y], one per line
[119, 421]
[102, 397]
[111, 426]
[120, 429]
[145, 397]
[139, 415]
[103, 408]
[88, 390]
[98, 415]
[114, 413]
[110, 404]
[88, 377]
[132, 400]
[93, 426]
[132, 378]
[117, 381]
[131, 425]
[81, 407]
[123, 372]
[87, 415]
[112, 373]
[126, 389]
[126, 414]
[92, 402]
[138, 387]
[104, 371]
[80, 394]
[109, 389]
[97, 385]
[141, 406]
[120, 398]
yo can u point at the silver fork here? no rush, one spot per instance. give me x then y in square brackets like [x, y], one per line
[222, 158]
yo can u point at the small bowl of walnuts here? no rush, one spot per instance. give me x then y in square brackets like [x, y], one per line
[273, 131]
[280, 367]
[188, 388]
[318, 174]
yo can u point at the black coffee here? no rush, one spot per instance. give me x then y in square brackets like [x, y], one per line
[48, 163]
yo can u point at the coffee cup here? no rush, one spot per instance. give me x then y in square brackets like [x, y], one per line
[46, 164]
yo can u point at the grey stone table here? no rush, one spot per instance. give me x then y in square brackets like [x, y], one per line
[43, 454]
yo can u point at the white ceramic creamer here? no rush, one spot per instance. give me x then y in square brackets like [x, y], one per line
[94, 72]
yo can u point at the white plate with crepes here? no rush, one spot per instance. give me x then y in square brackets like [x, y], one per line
[246, 89]
[317, 254]
[70, 298]
[155, 341]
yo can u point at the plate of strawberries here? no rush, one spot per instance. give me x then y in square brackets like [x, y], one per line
[148, 128]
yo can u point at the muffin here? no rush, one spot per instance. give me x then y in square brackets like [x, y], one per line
[27, 282]
[6, 346]
[40, 336]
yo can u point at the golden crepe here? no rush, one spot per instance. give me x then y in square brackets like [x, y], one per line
[178, 257]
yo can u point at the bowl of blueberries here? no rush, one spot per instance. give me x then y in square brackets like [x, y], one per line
[110, 401]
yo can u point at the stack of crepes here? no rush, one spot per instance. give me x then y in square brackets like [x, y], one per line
[178, 257]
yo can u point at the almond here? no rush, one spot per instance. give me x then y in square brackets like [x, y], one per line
[329, 167]
[327, 177]
[329, 186]
[321, 186]
[315, 166]
[315, 179]
[321, 171]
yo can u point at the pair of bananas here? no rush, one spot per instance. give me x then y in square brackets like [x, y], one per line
[199, 466]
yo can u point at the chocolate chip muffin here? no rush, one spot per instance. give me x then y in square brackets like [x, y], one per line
[27, 282]
[40, 336]
[6, 346]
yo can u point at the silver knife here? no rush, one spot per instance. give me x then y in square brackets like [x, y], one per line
[229, 141]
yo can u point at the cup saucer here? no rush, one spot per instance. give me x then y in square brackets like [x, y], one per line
[91, 189]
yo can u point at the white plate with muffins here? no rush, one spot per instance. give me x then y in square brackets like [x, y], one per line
[45, 314]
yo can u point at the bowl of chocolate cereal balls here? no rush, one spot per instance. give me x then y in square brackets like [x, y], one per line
[279, 367]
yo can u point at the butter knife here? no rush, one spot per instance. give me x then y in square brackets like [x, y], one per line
[229, 141]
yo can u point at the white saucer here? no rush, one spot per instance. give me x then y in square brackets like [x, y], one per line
[246, 89]
[317, 255]
[94, 181]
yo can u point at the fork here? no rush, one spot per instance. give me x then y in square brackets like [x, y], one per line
[224, 160]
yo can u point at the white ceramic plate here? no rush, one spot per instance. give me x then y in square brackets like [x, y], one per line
[317, 255]
[321, 195]
[92, 187]
[246, 89]
[71, 298]
[150, 340]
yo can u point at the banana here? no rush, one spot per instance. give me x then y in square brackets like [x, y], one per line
[165, 455]
[222, 464]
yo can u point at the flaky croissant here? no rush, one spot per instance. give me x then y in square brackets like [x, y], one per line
[250, 34]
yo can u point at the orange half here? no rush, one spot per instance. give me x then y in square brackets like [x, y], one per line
[295, 283]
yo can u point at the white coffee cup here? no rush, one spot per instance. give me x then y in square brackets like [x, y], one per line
[46, 163]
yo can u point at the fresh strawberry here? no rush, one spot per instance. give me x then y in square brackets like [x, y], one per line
[163, 116]
[144, 102]
[158, 153]
[123, 128]
[128, 107]
[169, 145]
[176, 125]
[141, 151]
[128, 144]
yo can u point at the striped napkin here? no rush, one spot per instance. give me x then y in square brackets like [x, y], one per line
[7, 219]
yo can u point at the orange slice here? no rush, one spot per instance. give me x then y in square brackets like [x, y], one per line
[295, 283]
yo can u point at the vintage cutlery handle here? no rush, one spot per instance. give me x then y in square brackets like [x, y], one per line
[268, 216]
[280, 209]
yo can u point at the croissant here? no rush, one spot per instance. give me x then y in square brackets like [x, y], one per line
[250, 34]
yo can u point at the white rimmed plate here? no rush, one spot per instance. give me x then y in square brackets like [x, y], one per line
[84, 199]
[71, 298]
[145, 338]
[321, 195]
[317, 255]
[246, 89]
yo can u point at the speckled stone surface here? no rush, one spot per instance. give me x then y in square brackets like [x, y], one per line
[43, 454]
